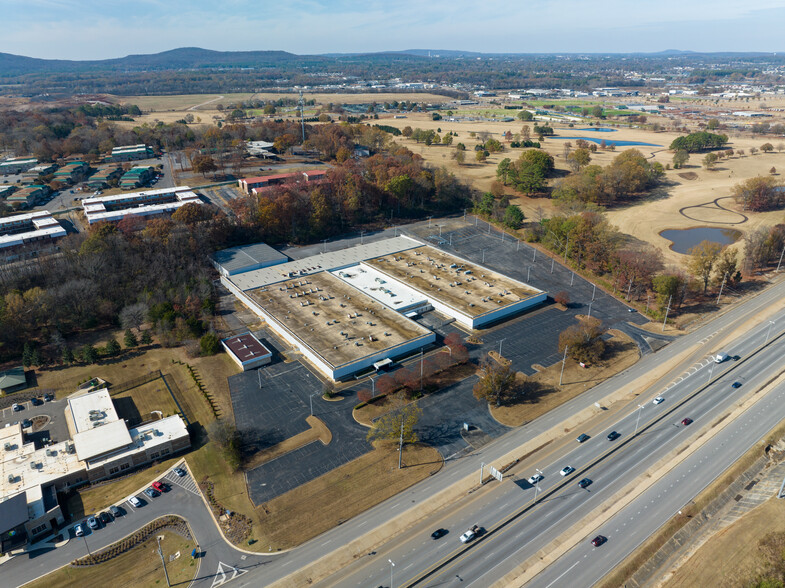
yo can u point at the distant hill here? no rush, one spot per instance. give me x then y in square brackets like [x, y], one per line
[183, 58]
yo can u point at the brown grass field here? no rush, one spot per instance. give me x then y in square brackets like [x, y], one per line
[140, 567]
[730, 558]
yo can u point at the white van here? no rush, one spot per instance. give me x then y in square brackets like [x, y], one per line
[720, 357]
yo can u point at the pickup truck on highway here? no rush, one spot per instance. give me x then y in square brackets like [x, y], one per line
[470, 534]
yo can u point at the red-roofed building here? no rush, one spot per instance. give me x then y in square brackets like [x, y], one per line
[247, 351]
[261, 182]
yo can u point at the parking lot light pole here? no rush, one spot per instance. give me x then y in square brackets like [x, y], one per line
[86, 546]
[163, 562]
[500, 347]
[392, 565]
[311, 399]
[483, 255]
[638, 420]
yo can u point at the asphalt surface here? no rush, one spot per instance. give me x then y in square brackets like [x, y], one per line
[217, 562]
[608, 464]
[55, 427]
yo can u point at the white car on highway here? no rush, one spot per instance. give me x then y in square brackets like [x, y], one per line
[470, 534]
[566, 471]
[535, 478]
[658, 400]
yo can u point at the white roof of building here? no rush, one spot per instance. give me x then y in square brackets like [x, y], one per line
[332, 260]
[103, 438]
[91, 408]
[43, 225]
[392, 293]
[23, 160]
[132, 196]
[135, 204]
[145, 437]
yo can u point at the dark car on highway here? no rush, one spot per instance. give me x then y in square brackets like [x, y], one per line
[584, 483]
[599, 540]
[736, 385]
[686, 421]
[613, 435]
[438, 533]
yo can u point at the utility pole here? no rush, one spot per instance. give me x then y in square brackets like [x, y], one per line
[566, 248]
[722, 286]
[563, 361]
[552, 262]
[400, 444]
[302, 114]
[667, 310]
[780, 261]
[500, 348]
[163, 562]
[628, 291]
[638, 420]
[421, 360]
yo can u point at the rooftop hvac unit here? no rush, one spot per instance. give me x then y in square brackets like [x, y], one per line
[7, 447]
[33, 465]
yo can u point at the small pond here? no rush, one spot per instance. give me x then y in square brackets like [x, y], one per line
[685, 239]
[599, 129]
[609, 141]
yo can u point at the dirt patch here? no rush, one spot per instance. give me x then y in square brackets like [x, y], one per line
[318, 431]
[621, 353]
[689, 176]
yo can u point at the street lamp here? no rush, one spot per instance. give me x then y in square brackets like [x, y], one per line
[311, 399]
[163, 562]
[536, 485]
[392, 565]
[638, 420]
[500, 348]
[483, 255]
[590, 303]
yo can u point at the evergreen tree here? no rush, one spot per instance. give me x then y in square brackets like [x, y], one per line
[129, 340]
[112, 348]
[27, 354]
[146, 339]
[35, 357]
[67, 355]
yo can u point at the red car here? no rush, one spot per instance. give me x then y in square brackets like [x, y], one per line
[686, 422]
[599, 540]
[158, 486]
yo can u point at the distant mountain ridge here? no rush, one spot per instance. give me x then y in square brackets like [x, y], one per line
[196, 58]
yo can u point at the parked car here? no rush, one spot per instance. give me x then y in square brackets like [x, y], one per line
[16, 407]
[613, 435]
[658, 400]
[151, 492]
[116, 512]
[49, 397]
[27, 423]
[135, 502]
[105, 518]
[438, 533]
[79, 530]
[566, 471]
[158, 486]
[582, 438]
[179, 471]
[36, 401]
[686, 421]
[92, 522]
[599, 540]
[535, 478]
[585, 483]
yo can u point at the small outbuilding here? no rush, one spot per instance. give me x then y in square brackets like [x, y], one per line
[247, 351]
[13, 380]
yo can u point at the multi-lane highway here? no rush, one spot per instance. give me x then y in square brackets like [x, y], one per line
[516, 530]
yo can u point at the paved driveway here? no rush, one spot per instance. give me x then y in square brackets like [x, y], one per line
[55, 429]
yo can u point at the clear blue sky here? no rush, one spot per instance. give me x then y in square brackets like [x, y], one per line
[97, 29]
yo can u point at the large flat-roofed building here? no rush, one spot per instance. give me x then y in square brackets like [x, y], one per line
[103, 446]
[103, 176]
[72, 173]
[348, 310]
[136, 176]
[29, 235]
[261, 183]
[246, 258]
[29, 196]
[143, 204]
[336, 327]
[35, 172]
[131, 152]
[17, 165]
[247, 351]
[473, 295]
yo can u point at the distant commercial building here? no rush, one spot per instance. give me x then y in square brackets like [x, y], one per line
[262, 182]
[17, 165]
[29, 196]
[247, 351]
[246, 258]
[103, 446]
[137, 176]
[131, 153]
[104, 176]
[259, 148]
[142, 204]
[24, 236]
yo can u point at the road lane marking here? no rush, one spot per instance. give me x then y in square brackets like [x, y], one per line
[563, 574]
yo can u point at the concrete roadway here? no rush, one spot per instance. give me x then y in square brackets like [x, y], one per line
[562, 502]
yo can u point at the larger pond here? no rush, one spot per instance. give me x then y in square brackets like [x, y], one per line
[598, 129]
[609, 142]
[685, 239]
